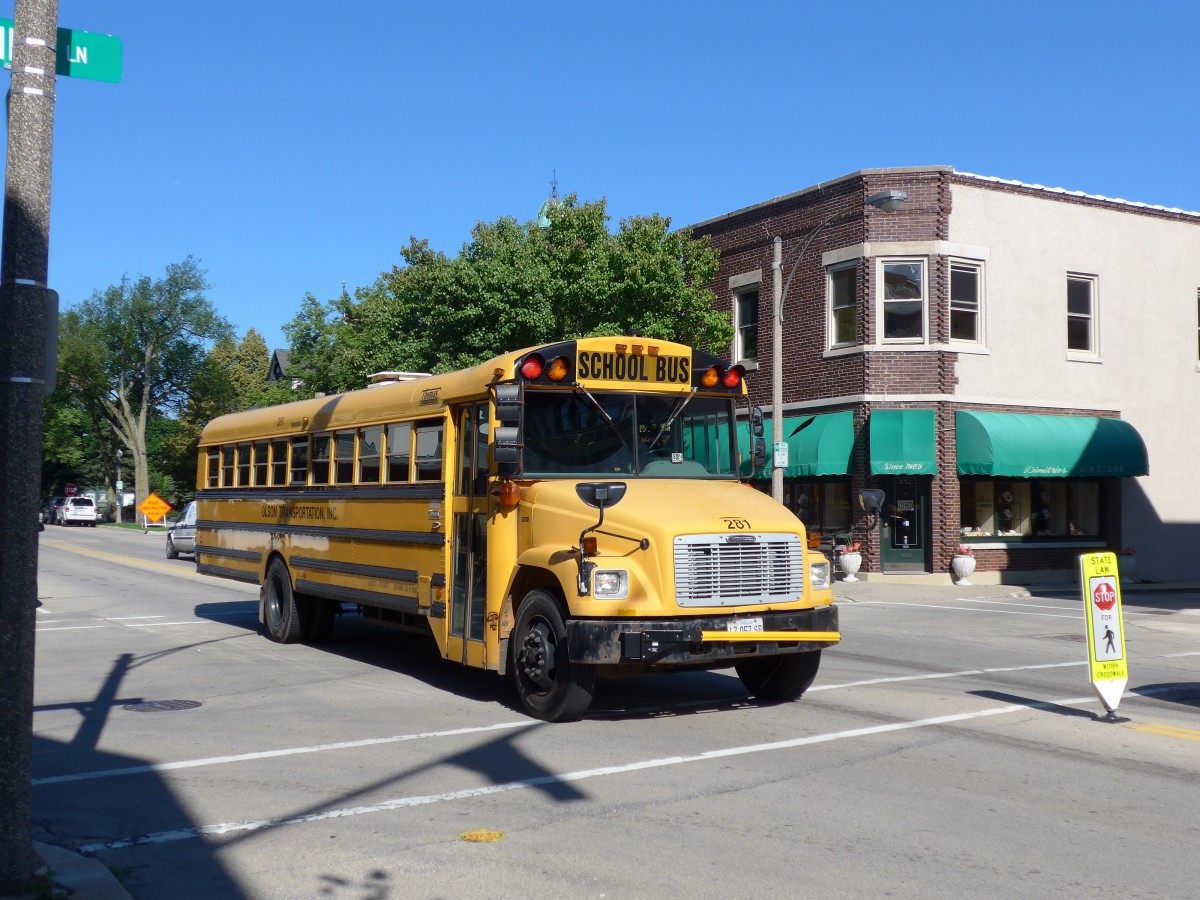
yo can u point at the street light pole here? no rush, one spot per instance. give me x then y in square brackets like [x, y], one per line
[119, 486]
[887, 201]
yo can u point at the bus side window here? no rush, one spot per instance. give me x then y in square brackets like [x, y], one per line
[299, 466]
[243, 465]
[260, 463]
[399, 453]
[227, 466]
[368, 455]
[279, 463]
[429, 452]
[214, 468]
[343, 457]
[320, 459]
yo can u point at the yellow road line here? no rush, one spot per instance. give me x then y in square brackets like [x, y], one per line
[114, 557]
[1188, 734]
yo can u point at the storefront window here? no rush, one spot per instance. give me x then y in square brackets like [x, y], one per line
[998, 507]
[823, 506]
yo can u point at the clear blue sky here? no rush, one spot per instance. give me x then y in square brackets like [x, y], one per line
[293, 146]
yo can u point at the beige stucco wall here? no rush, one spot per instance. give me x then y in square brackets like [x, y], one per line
[1148, 272]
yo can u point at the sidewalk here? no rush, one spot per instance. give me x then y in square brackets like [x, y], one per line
[81, 877]
[1188, 593]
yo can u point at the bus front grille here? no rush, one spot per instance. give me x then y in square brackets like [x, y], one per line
[738, 570]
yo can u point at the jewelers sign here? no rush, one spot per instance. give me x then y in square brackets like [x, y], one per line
[1101, 585]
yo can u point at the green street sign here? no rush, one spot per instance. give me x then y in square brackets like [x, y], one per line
[79, 54]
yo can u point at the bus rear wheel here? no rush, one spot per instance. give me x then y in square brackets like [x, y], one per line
[784, 677]
[282, 612]
[549, 685]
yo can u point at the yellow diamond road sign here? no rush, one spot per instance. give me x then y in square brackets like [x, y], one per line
[154, 507]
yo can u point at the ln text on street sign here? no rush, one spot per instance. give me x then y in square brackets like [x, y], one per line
[1107, 662]
[154, 507]
[79, 54]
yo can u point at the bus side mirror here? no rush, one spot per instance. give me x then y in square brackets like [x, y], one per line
[508, 444]
[760, 442]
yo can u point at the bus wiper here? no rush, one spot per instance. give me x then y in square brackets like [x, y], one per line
[683, 401]
[600, 409]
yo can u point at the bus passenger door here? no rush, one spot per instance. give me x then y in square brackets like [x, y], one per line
[468, 588]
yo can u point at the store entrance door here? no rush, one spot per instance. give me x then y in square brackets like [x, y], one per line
[905, 524]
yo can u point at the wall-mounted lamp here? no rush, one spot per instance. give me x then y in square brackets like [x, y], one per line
[888, 201]
[871, 500]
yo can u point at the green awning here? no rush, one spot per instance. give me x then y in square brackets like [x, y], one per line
[903, 442]
[1019, 445]
[817, 445]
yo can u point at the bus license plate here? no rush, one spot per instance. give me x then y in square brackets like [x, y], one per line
[754, 624]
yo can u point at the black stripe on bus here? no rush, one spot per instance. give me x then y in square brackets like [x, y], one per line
[251, 555]
[426, 491]
[225, 572]
[324, 565]
[350, 534]
[354, 595]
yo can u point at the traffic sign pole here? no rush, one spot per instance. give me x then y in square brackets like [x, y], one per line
[24, 261]
[1108, 667]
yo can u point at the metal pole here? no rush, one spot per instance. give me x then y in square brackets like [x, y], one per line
[24, 263]
[777, 371]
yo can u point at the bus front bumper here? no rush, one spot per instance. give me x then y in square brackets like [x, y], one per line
[701, 640]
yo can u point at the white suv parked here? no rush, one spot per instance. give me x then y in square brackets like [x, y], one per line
[78, 511]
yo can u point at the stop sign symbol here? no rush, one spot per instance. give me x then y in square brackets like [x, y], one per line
[1105, 596]
[70, 490]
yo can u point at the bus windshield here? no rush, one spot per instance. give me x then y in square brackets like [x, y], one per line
[581, 433]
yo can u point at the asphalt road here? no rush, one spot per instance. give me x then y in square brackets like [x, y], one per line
[949, 748]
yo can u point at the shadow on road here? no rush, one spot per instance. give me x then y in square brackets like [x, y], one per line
[416, 656]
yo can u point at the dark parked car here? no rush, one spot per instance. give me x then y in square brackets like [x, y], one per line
[51, 512]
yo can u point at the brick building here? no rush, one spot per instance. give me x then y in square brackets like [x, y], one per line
[1005, 361]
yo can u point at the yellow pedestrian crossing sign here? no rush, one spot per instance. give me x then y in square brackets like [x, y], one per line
[1107, 661]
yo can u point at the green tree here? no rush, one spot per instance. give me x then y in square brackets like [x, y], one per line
[232, 377]
[515, 285]
[131, 352]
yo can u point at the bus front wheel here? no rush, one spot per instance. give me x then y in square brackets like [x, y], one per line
[783, 677]
[282, 613]
[549, 685]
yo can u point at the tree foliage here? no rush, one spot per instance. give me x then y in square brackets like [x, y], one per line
[514, 285]
[132, 351]
[232, 377]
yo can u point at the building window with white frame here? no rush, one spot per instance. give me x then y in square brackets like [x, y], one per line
[843, 305]
[1081, 314]
[745, 323]
[966, 302]
[903, 312]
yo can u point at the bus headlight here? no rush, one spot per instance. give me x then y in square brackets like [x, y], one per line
[818, 575]
[611, 584]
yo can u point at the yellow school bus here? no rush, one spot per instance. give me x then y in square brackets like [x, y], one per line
[555, 514]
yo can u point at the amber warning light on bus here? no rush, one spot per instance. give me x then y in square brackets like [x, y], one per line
[730, 379]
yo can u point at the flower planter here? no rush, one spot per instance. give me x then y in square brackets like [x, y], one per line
[1127, 568]
[962, 566]
[849, 563]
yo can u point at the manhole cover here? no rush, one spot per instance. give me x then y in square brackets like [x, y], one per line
[1080, 638]
[161, 705]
